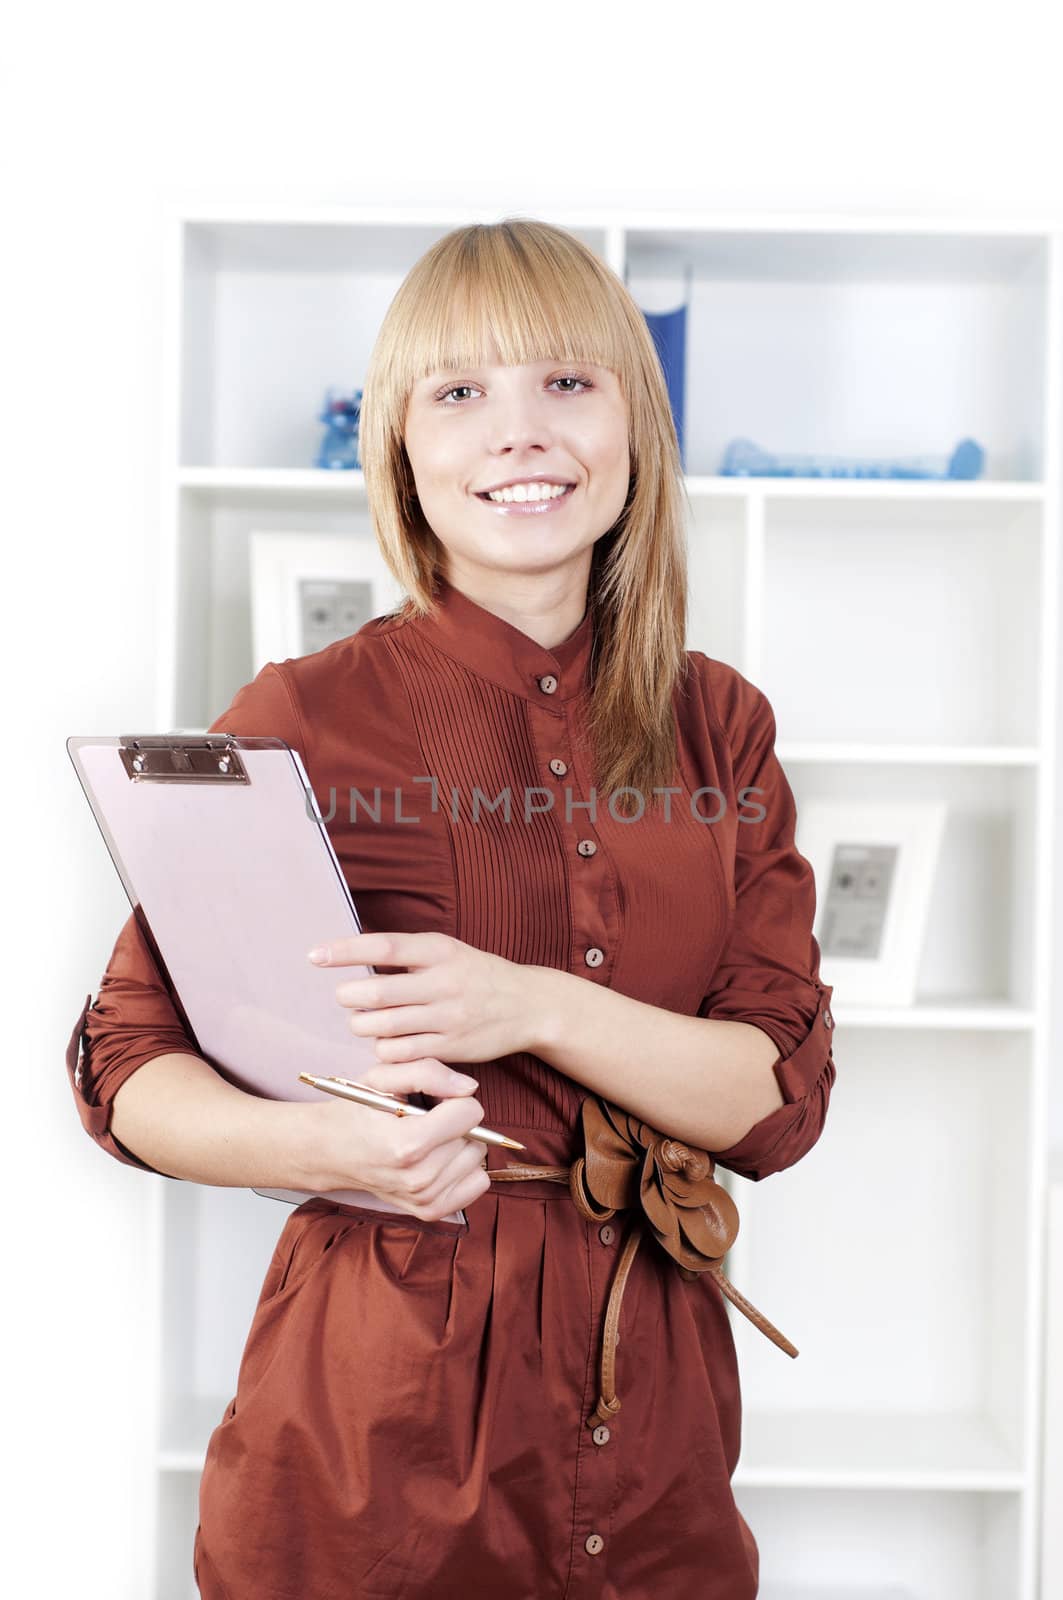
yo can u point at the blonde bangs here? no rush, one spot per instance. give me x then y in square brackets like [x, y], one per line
[514, 293]
[491, 295]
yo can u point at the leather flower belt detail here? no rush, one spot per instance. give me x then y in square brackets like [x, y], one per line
[625, 1164]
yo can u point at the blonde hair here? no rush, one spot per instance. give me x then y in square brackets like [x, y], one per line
[534, 292]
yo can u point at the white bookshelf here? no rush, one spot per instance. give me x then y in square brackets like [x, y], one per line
[905, 634]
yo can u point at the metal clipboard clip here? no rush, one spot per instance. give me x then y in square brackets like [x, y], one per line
[169, 757]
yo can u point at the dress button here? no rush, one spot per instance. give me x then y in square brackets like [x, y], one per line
[586, 847]
[558, 767]
[594, 1544]
[828, 1020]
[601, 1434]
[594, 957]
[606, 1234]
[548, 683]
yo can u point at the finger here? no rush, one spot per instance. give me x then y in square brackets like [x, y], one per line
[447, 1125]
[419, 1021]
[465, 1191]
[381, 949]
[409, 1047]
[427, 1075]
[379, 992]
[454, 1168]
[435, 1171]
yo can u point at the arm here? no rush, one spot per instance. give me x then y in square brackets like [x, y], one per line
[188, 1122]
[749, 1078]
[181, 1118]
[768, 974]
[696, 1079]
[174, 1115]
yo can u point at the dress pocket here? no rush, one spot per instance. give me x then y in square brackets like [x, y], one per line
[305, 1240]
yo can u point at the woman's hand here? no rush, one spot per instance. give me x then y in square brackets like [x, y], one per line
[454, 1003]
[425, 1165]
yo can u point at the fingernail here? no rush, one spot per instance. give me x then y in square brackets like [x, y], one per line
[320, 955]
[463, 1077]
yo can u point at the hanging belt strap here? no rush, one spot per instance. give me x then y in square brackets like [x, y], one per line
[689, 1213]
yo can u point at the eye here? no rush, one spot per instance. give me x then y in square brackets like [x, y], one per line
[574, 377]
[443, 395]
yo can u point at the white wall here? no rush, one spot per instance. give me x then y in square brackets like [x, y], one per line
[108, 110]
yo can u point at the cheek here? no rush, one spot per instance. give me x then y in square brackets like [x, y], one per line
[612, 466]
[429, 452]
[444, 470]
[606, 450]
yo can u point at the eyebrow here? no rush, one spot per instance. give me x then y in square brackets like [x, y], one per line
[474, 366]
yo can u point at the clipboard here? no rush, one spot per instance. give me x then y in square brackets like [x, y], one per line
[222, 850]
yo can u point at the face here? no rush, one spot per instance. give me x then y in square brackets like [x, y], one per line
[469, 429]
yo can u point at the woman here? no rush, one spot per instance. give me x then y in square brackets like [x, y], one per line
[572, 848]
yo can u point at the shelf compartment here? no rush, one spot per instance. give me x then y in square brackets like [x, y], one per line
[886, 344]
[979, 939]
[218, 1244]
[896, 1255]
[214, 653]
[177, 1501]
[862, 1545]
[718, 623]
[190, 1420]
[271, 314]
[924, 625]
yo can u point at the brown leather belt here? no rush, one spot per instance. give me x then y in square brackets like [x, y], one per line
[690, 1215]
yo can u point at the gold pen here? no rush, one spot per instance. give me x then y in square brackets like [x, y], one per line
[366, 1095]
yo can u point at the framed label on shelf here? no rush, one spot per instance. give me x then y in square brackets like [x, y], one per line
[874, 867]
[310, 589]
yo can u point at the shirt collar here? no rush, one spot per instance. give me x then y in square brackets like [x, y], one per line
[495, 649]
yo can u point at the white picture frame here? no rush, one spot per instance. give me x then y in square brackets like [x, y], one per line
[282, 561]
[874, 867]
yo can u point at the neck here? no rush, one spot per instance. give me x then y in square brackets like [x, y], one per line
[547, 607]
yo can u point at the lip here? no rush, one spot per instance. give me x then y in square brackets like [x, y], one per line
[528, 508]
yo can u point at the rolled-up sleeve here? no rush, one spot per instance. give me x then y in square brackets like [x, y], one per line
[768, 974]
[134, 1018]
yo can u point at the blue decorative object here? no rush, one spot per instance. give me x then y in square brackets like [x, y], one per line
[744, 459]
[341, 415]
[669, 330]
[660, 288]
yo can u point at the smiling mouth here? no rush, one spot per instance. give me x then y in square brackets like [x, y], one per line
[548, 500]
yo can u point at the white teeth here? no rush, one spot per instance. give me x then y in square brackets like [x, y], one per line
[528, 491]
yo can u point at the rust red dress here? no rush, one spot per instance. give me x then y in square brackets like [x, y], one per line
[412, 1403]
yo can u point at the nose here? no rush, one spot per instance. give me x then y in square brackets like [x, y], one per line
[518, 422]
